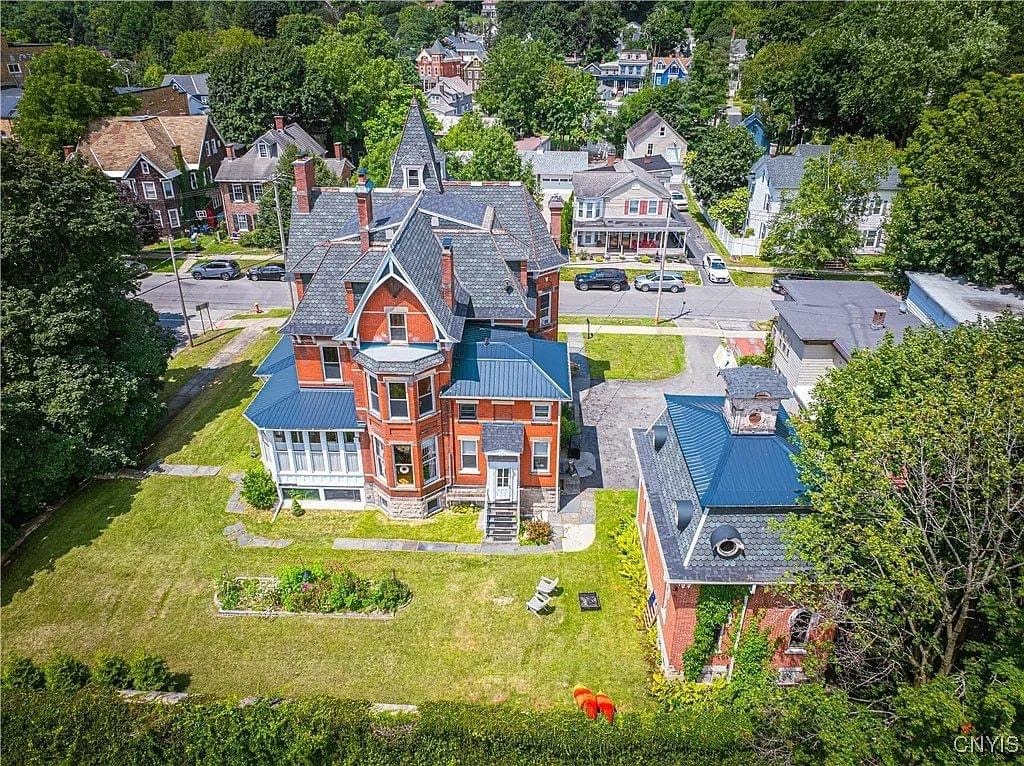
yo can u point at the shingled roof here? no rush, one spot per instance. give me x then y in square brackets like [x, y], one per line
[418, 148]
[116, 143]
[251, 167]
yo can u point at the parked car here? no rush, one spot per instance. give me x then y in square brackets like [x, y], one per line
[716, 269]
[777, 281]
[671, 281]
[606, 279]
[216, 270]
[272, 271]
[679, 201]
[137, 268]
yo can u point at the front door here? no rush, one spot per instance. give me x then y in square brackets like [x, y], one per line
[502, 483]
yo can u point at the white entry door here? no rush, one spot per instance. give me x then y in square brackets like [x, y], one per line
[503, 483]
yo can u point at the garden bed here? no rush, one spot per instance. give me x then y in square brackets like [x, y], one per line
[332, 592]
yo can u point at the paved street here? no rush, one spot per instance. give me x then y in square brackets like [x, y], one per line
[225, 298]
[711, 302]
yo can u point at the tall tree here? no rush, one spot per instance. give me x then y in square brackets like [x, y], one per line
[568, 106]
[768, 83]
[719, 162]
[675, 102]
[494, 155]
[196, 49]
[417, 28]
[913, 455]
[65, 90]
[81, 359]
[509, 90]
[665, 29]
[300, 29]
[959, 211]
[820, 223]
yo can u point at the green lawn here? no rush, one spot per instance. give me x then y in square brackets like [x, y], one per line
[211, 429]
[614, 321]
[749, 260]
[323, 526]
[634, 357]
[750, 278]
[126, 565]
[268, 314]
[187, 362]
[158, 265]
[207, 245]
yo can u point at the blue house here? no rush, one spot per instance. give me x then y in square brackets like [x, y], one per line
[665, 69]
[756, 128]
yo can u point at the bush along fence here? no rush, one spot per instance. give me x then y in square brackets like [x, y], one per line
[95, 727]
[298, 590]
[66, 674]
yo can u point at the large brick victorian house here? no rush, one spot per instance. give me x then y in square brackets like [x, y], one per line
[715, 473]
[168, 162]
[242, 177]
[420, 367]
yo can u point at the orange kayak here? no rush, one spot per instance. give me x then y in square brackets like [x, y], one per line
[606, 706]
[586, 701]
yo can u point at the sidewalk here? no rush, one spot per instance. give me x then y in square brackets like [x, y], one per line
[618, 329]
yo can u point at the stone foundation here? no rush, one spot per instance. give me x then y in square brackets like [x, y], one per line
[403, 507]
[537, 503]
[471, 495]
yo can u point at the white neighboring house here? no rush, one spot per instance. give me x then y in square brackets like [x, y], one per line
[448, 100]
[652, 135]
[554, 169]
[774, 179]
[947, 301]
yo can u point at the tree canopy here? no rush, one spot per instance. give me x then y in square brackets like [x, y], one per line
[65, 90]
[959, 211]
[494, 155]
[719, 162]
[82, 360]
[512, 74]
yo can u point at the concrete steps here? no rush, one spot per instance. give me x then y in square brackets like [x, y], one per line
[502, 523]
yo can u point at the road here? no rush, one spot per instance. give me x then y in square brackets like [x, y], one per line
[712, 302]
[225, 298]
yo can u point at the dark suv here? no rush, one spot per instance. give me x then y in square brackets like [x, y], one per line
[272, 271]
[216, 270]
[606, 279]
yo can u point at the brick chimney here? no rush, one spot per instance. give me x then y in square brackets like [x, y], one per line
[447, 272]
[305, 180]
[555, 207]
[773, 150]
[229, 151]
[278, 122]
[364, 206]
[69, 149]
[878, 319]
[339, 151]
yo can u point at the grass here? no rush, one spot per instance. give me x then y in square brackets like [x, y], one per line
[634, 357]
[616, 321]
[268, 314]
[750, 260]
[211, 429]
[208, 245]
[567, 273]
[750, 278]
[187, 362]
[323, 526]
[126, 565]
[158, 265]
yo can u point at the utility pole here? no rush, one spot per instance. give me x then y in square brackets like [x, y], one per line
[664, 253]
[181, 295]
[280, 232]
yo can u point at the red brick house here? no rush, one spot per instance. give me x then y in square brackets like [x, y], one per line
[715, 473]
[420, 367]
[169, 163]
[459, 55]
[242, 177]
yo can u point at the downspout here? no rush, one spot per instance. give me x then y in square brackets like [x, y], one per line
[739, 632]
[277, 506]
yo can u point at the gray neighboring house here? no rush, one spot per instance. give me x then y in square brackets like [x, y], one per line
[947, 302]
[553, 169]
[449, 99]
[821, 323]
[195, 87]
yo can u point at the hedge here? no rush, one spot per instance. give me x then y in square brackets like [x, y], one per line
[93, 727]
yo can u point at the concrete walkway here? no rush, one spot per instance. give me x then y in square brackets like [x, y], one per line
[619, 329]
[426, 546]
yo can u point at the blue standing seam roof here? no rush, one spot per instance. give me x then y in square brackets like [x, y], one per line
[281, 404]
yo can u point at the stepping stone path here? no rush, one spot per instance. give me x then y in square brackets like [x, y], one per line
[235, 504]
[189, 471]
[238, 533]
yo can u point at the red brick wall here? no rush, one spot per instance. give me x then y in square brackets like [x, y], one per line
[373, 321]
[250, 206]
[547, 283]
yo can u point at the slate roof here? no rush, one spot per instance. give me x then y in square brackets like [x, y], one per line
[195, 86]
[746, 481]
[498, 363]
[9, 98]
[502, 437]
[555, 162]
[117, 142]
[251, 167]
[749, 380]
[417, 147]
[281, 404]
[840, 312]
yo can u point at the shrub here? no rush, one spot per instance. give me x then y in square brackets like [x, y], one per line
[150, 674]
[644, 259]
[464, 508]
[297, 509]
[258, 488]
[112, 670]
[389, 594]
[570, 428]
[65, 673]
[21, 673]
[537, 532]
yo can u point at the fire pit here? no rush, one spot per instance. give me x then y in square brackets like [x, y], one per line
[589, 602]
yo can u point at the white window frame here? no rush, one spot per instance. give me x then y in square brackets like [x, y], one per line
[541, 418]
[544, 312]
[391, 401]
[14, 68]
[476, 411]
[404, 329]
[411, 464]
[429, 458]
[201, 214]
[546, 470]
[192, 180]
[767, 203]
[324, 363]
[166, 185]
[380, 466]
[241, 222]
[209, 175]
[262, 150]
[173, 218]
[237, 193]
[132, 185]
[652, 209]
[633, 207]
[149, 189]
[429, 379]
[257, 192]
[463, 454]
[650, 149]
[144, 167]
[409, 174]
[373, 393]
[158, 218]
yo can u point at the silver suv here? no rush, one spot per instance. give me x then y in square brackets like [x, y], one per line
[216, 270]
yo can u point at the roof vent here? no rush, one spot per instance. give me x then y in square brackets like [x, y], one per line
[684, 514]
[660, 436]
[878, 319]
[903, 307]
[726, 541]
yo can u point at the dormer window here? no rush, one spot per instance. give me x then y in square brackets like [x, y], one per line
[144, 168]
[412, 178]
[263, 150]
[397, 330]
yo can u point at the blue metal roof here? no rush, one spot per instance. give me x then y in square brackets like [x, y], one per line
[498, 363]
[281, 404]
[730, 470]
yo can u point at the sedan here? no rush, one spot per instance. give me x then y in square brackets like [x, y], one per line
[216, 270]
[137, 268]
[716, 269]
[273, 271]
[679, 201]
[670, 281]
[777, 281]
[608, 279]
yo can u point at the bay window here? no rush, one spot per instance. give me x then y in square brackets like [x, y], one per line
[398, 400]
[374, 393]
[401, 454]
[428, 459]
[425, 395]
[379, 467]
[544, 308]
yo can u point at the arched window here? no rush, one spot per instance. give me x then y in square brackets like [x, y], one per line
[800, 624]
